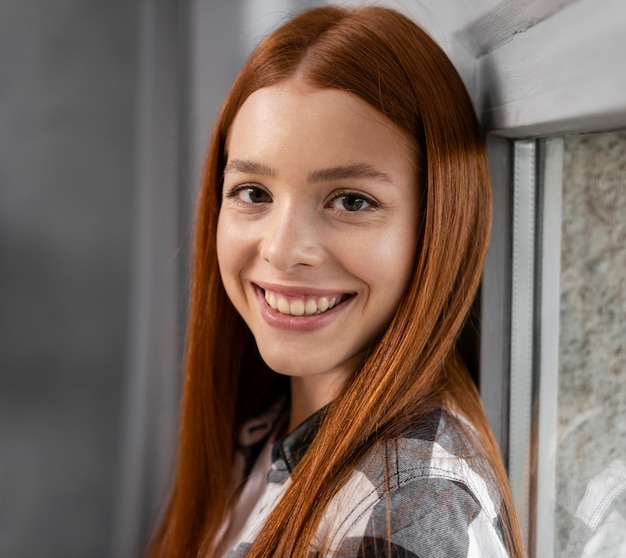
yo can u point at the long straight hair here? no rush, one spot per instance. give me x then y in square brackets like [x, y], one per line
[385, 59]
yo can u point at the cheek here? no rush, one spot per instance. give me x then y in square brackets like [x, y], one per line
[228, 253]
[221, 243]
[390, 272]
[388, 260]
[384, 263]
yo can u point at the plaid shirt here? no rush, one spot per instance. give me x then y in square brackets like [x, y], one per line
[430, 504]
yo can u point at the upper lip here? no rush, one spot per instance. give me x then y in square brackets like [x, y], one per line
[297, 290]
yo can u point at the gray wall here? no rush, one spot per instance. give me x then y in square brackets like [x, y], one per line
[67, 137]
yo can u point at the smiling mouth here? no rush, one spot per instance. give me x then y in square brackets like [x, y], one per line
[305, 305]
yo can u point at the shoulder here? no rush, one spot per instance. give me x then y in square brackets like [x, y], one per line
[425, 493]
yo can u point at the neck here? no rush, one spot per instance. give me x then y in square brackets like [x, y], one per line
[309, 395]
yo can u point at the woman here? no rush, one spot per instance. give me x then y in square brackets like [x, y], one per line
[327, 409]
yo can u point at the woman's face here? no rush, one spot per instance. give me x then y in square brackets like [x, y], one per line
[318, 226]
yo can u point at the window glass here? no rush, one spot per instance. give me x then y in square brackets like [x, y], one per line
[591, 453]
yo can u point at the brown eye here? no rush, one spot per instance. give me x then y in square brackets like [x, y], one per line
[253, 194]
[351, 202]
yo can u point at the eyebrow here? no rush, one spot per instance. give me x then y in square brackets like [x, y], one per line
[249, 167]
[342, 172]
[357, 170]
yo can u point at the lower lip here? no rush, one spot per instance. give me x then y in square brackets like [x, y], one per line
[298, 323]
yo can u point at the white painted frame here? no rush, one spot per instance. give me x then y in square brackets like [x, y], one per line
[544, 422]
[564, 74]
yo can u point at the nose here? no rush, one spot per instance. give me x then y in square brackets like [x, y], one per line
[292, 239]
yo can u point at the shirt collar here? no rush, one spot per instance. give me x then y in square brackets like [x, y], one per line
[291, 448]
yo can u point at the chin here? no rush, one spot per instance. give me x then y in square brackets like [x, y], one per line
[292, 368]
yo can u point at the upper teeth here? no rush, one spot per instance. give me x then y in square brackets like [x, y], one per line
[301, 306]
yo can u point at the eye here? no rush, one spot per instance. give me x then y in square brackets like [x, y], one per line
[248, 193]
[351, 203]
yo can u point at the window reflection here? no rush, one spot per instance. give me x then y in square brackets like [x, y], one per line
[591, 460]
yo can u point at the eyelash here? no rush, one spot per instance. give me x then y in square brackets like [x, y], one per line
[237, 190]
[372, 205]
[342, 195]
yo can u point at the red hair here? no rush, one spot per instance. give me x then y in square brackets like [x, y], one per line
[389, 62]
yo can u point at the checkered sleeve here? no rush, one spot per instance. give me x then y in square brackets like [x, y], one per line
[428, 517]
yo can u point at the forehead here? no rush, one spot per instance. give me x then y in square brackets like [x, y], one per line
[292, 118]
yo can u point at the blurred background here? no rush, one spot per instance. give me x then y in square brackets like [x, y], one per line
[105, 112]
[68, 151]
